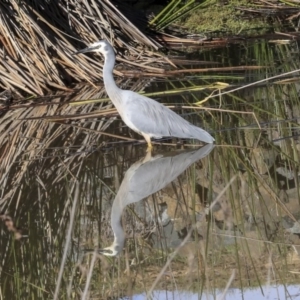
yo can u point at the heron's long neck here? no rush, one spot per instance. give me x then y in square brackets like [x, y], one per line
[116, 214]
[110, 85]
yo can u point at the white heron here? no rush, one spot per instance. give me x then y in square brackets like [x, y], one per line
[142, 114]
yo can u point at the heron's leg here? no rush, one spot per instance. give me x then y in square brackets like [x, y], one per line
[148, 140]
[149, 148]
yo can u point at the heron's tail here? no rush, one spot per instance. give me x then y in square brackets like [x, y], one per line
[202, 135]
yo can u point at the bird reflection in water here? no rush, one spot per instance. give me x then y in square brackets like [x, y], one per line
[143, 178]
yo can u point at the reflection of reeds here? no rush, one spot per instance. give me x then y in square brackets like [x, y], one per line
[9, 223]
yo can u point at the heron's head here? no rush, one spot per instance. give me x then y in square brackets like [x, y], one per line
[102, 46]
[112, 250]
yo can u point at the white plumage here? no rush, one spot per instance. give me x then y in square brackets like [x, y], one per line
[142, 114]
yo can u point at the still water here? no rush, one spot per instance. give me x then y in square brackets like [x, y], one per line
[212, 222]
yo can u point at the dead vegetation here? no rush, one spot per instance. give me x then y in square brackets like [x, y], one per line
[38, 38]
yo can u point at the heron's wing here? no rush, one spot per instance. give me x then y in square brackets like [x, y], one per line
[151, 117]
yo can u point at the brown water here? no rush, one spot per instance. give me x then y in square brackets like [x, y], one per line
[228, 219]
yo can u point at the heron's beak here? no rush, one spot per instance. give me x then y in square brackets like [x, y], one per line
[105, 251]
[109, 251]
[85, 50]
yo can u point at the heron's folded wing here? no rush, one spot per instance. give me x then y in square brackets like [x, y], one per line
[152, 118]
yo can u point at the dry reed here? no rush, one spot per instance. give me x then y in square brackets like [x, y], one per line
[38, 38]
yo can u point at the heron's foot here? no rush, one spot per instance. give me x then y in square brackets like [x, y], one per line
[148, 140]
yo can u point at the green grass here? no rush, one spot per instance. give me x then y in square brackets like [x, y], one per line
[224, 18]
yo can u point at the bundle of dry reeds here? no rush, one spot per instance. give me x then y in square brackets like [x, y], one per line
[38, 38]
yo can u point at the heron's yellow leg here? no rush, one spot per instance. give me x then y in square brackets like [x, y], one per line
[149, 148]
[148, 140]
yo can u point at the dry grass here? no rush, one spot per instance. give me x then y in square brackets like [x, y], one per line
[38, 38]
